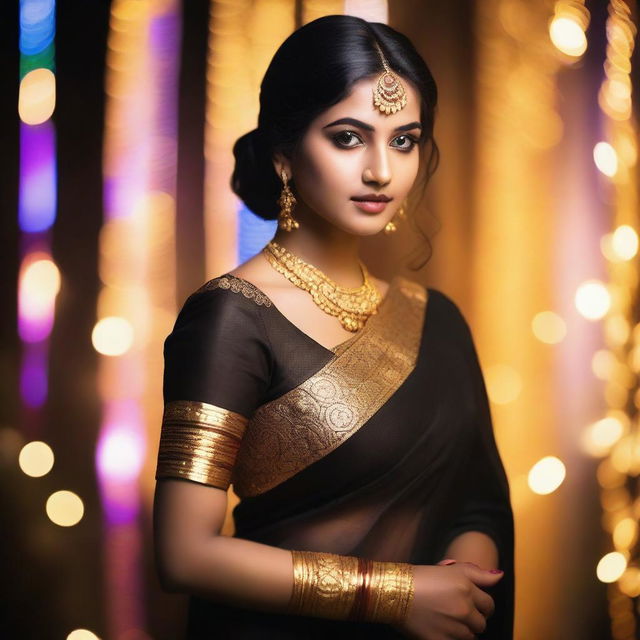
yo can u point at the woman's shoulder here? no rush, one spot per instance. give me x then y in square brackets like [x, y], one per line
[223, 308]
[228, 282]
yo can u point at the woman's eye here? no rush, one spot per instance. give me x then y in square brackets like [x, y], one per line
[348, 139]
[407, 143]
[344, 137]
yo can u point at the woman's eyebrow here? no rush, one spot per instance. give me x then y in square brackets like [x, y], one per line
[368, 127]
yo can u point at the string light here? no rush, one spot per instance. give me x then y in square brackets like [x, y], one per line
[568, 26]
[136, 303]
[614, 438]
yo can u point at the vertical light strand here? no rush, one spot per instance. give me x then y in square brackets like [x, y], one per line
[617, 433]
[243, 38]
[137, 268]
[518, 130]
[160, 217]
[227, 114]
[39, 277]
[121, 305]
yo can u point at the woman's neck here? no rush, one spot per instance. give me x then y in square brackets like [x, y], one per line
[333, 251]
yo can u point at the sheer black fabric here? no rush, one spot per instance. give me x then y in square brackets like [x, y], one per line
[423, 469]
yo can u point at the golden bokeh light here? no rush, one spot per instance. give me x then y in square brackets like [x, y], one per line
[37, 97]
[546, 475]
[625, 455]
[36, 459]
[629, 582]
[65, 508]
[39, 285]
[603, 364]
[605, 158]
[611, 567]
[627, 149]
[568, 36]
[625, 533]
[608, 476]
[549, 327]
[598, 438]
[624, 242]
[617, 329]
[592, 299]
[112, 336]
[82, 634]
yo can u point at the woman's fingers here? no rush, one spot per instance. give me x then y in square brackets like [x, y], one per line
[476, 621]
[483, 601]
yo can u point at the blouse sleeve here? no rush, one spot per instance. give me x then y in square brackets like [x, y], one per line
[217, 370]
[485, 505]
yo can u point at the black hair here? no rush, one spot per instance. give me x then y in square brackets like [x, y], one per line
[313, 69]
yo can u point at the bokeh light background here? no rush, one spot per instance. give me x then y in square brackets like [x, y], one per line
[118, 120]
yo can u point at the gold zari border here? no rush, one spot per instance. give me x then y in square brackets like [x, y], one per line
[199, 442]
[303, 425]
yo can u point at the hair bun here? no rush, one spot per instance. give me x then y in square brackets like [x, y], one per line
[254, 179]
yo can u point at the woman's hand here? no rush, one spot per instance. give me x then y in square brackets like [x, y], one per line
[448, 602]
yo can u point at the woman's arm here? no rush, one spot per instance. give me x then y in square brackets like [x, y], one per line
[476, 547]
[192, 556]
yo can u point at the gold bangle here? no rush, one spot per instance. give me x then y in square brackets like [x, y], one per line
[339, 587]
[199, 442]
[391, 592]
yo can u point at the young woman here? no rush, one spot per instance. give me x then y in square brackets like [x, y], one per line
[349, 413]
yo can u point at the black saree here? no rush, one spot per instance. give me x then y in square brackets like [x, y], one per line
[381, 447]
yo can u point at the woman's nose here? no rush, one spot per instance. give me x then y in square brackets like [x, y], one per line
[379, 170]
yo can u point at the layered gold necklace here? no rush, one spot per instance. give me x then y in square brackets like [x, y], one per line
[351, 306]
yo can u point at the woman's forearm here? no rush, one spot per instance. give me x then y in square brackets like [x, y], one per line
[237, 572]
[476, 547]
[257, 576]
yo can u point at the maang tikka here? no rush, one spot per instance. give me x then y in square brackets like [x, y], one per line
[388, 95]
[286, 201]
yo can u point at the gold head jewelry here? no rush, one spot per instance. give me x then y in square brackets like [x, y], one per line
[388, 95]
[286, 201]
[352, 307]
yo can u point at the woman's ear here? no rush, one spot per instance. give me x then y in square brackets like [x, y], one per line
[281, 163]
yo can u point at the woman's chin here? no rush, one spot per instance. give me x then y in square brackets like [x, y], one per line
[366, 227]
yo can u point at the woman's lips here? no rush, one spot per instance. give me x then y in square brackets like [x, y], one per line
[370, 206]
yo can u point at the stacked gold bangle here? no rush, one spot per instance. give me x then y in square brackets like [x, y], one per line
[326, 585]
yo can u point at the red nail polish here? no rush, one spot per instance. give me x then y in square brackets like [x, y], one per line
[496, 571]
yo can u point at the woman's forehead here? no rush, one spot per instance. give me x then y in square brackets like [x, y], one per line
[359, 105]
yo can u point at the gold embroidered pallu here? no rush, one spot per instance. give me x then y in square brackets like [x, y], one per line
[291, 432]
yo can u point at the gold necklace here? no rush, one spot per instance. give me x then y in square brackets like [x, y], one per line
[352, 307]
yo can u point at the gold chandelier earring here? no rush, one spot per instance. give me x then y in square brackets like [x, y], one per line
[400, 214]
[286, 201]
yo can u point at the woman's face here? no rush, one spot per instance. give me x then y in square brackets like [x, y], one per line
[353, 150]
